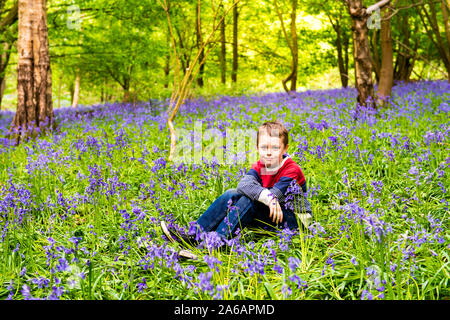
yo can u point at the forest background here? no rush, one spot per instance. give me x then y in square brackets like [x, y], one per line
[120, 50]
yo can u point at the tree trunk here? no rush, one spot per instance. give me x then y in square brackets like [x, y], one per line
[361, 52]
[387, 66]
[235, 45]
[445, 7]
[102, 93]
[342, 60]
[346, 58]
[376, 59]
[403, 57]
[4, 60]
[294, 46]
[168, 44]
[2, 89]
[126, 93]
[167, 66]
[434, 33]
[34, 95]
[185, 59]
[59, 90]
[199, 45]
[223, 52]
[126, 86]
[76, 91]
[445, 14]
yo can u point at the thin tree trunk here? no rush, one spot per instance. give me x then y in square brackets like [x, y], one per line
[444, 7]
[186, 61]
[167, 66]
[445, 15]
[405, 60]
[200, 44]
[376, 59]
[126, 91]
[102, 93]
[76, 90]
[441, 46]
[4, 60]
[2, 89]
[387, 67]
[294, 46]
[181, 86]
[59, 90]
[363, 63]
[168, 44]
[223, 52]
[342, 64]
[235, 45]
[346, 58]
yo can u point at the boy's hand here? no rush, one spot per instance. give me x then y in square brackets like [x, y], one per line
[275, 211]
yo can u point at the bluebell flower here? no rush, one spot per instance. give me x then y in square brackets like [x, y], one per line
[63, 265]
[278, 269]
[294, 263]
[26, 292]
[142, 285]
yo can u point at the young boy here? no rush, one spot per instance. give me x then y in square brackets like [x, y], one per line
[260, 197]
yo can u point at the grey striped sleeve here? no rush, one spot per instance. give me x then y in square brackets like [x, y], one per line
[250, 187]
[280, 196]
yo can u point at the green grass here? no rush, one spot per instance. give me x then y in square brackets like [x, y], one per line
[118, 247]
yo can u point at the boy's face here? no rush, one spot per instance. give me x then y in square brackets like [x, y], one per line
[271, 150]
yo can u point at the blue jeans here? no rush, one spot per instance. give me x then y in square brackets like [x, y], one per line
[225, 218]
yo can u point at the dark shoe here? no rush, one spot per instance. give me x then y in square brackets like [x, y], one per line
[176, 236]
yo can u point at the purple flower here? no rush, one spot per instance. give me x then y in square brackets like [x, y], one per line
[213, 262]
[330, 261]
[294, 263]
[366, 295]
[278, 268]
[63, 265]
[296, 279]
[142, 285]
[286, 290]
[413, 171]
[26, 292]
[205, 282]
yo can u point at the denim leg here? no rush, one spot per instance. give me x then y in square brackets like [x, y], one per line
[218, 218]
[217, 211]
[243, 212]
[240, 215]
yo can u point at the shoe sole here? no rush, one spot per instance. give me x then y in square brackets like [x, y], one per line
[187, 254]
[166, 231]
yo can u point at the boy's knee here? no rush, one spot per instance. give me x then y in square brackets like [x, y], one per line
[231, 192]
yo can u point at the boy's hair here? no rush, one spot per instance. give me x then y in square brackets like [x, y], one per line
[274, 129]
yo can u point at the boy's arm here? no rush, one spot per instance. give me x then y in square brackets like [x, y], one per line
[250, 185]
[280, 188]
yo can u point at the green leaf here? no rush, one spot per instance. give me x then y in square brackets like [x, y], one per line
[270, 291]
